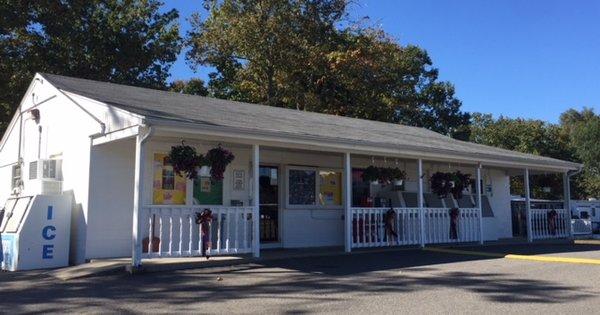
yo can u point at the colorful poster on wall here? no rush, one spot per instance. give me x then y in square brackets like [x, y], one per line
[168, 187]
[330, 188]
[207, 192]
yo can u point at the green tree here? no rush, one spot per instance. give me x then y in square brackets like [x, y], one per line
[296, 54]
[121, 41]
[191, 86]
[584, 130]
[528, 136]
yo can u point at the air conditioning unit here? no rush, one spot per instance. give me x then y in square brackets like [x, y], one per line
[45, 177]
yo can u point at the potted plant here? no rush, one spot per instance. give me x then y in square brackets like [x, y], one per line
[440, 184]
[397, 175]
[185, 160]
[460, 183]
[371, 174]
[218, 159]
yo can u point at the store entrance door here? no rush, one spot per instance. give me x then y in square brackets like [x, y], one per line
[269, 204]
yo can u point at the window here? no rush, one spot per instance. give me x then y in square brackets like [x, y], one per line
[302, 186]
[16, 176]
[361, 190]
[314, 187]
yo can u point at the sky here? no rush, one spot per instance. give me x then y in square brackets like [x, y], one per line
[531, 59]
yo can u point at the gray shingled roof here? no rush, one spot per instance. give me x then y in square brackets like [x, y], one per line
[171, 106]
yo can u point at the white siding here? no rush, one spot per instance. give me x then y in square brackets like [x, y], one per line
[111, 200]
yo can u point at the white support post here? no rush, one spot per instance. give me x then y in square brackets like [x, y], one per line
[528, 205]
[140, 157]
[348, 202]
[421, 210]
[567, 201]
[479, 206]
[256, 199]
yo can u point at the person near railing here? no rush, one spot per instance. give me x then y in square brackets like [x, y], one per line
[204, 218]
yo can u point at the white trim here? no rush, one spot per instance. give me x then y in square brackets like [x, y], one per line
[347, 193]
[121, 134]
[256, 200]
[528, 204]
[479, 205]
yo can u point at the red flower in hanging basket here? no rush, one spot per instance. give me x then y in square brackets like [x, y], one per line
[218, 159]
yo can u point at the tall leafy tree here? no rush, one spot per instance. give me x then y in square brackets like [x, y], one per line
[297, 54]
[528, 136]
[193, 86]
[583, 128]
[122, 41]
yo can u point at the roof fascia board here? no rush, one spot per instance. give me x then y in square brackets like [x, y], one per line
[310, 143]
[36, 79]
[121, 134]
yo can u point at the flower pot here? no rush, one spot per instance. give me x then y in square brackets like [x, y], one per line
[374, 182]
[398, 182]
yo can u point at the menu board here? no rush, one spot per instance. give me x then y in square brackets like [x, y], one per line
[168, 188]
[302, 187]
[330, 187]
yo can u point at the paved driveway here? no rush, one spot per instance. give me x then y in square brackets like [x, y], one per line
[411, 281]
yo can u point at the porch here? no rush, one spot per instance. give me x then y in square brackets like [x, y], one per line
[297, 196]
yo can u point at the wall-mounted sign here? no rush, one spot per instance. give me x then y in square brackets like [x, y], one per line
[239, 180]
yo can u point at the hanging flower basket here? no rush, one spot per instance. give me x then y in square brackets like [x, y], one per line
[440, 184]
[397, 176]
[461, 182]
[371, 174]
[185, 160]
[218, 159]
[444, 184]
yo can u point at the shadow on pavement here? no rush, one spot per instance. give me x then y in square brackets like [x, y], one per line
[316, 280]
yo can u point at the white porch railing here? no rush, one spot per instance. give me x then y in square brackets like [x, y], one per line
[176, 234]
[369, 227]
[438, 225]
[543, 226]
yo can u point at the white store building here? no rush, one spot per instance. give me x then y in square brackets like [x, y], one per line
[299, 172]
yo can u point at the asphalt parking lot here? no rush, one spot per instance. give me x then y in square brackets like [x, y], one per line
[407, 281]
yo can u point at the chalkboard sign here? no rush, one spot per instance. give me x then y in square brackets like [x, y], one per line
[302, 187]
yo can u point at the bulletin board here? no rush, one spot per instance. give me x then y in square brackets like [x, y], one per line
[330, 188]
[168, 188]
